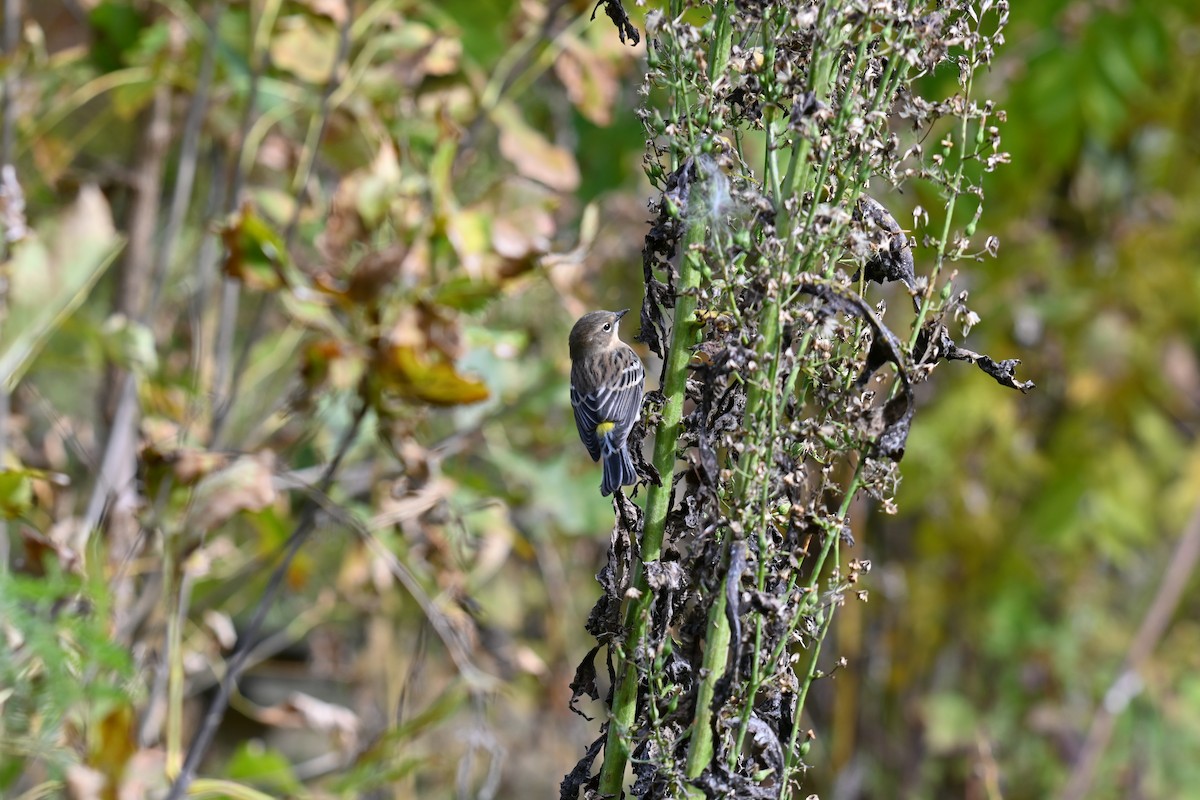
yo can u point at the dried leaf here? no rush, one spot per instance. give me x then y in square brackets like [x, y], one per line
[892, 259]
[334, 9]
[533, 155]
[590, 80]
[245, 485]
[305, 48]
[620, 18]
[222, 628]
[305, 711]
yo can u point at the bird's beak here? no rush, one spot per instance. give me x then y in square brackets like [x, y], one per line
[622, 312]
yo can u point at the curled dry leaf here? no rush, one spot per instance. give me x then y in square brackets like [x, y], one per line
[891, 253]
[415, 360]
[426, 376]
[222, 628]
[245, 485]
[305, 711]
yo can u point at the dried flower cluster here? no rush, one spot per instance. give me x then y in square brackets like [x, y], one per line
[778, 134]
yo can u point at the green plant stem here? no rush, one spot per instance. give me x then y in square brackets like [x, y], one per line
[832, 545]
[658, 500]
[718, 54]
[944, 240]
[658, 503]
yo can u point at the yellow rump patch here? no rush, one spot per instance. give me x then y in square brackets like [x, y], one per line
[604, 428]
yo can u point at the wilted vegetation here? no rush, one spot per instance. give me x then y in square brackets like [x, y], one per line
[294, 503]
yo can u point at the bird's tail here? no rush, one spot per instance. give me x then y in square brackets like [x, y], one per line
[618, 470]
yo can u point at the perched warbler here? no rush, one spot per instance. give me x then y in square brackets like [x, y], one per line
[606, 393]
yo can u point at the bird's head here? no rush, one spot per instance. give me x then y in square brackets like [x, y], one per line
[595, 331]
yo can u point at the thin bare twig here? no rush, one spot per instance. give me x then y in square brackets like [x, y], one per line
[185, 176]
[1128, 682]
[304, 177]
[118, 465]
[238, 661]
[12, 20]
[230, 289]
[180, 202]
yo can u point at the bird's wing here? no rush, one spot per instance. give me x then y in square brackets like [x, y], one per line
[619, 402]
[586, 420]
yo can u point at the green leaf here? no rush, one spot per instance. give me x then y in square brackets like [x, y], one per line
[16, 493]
[465, 294]
[263, 766]
[212, 787]
[254, 253]
[116, 26]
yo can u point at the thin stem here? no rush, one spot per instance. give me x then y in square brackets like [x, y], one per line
[12, 21]
[189, 149]
[944, 239]
[832, 546]
[1154, 624]
[247, 639]
[312, 144]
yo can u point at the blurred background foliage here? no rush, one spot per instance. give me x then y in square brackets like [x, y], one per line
[392, 259]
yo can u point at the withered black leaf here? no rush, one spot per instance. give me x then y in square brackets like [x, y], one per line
[584, 683]
[581, 776]
[893, 260]
[620, 17]
[934, 344]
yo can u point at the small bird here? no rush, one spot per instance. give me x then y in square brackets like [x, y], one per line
[606, 393]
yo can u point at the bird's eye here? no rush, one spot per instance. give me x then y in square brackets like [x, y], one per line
[608, 326]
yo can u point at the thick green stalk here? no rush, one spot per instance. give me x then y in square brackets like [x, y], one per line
[718, 54]
[658, 503]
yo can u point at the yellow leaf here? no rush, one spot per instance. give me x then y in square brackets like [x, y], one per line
[430, 378]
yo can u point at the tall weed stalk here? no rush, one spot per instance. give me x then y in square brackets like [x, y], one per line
[795, 308]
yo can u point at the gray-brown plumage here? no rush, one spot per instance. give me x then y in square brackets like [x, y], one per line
[606, 394]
